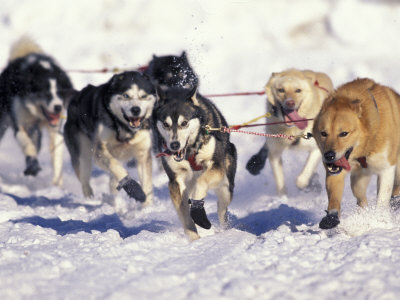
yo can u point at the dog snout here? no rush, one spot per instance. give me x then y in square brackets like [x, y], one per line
[175, 145]
[329, 156]
[290, 103]
[57, 108]
[135, 110]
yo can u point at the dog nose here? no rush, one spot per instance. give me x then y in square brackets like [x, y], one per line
[135, 110]
[329, 156]
[57, 108]
[175, 145]
[290, 103]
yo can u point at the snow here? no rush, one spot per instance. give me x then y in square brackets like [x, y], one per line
[55, 244]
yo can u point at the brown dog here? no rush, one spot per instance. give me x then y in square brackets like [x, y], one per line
[356, 131]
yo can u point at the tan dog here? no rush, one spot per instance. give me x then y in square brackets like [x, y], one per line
[292, 95]
[356, 131]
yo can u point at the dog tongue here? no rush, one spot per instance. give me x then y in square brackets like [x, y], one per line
[343, 162]
[294, 116]
[134, 122]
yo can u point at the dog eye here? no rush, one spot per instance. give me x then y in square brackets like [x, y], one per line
[343, 134]
[281, 90]
[298, 91]
[184, 124]
[126, 96]
[324, 134]
[165, 125]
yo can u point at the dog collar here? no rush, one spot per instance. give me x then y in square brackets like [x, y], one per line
[363, 162]
[193, 164]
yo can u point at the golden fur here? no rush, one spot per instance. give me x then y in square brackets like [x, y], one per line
[308, 90]
[360, 118]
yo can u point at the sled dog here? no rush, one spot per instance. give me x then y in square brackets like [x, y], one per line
[33, 93]
[195, 160]
[111, 123]
[172, 71]
[292, 95]
[356, 131]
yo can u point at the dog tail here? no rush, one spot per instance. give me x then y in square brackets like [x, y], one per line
[24, 46]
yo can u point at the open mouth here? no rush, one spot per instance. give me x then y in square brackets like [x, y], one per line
[293, 118]
[133, 122]
[52, 118]
[342, 163]
[179, 155]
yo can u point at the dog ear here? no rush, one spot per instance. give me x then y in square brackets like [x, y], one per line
[268, 88]
[161, 94]
[192, 95]
[183, 55]
[114, 80]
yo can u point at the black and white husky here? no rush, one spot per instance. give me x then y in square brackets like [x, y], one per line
[195, 160]
[33, 93]
[111, 123]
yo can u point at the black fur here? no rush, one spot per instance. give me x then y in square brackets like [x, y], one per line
[31, 80]
[172, 72]
[28, 80]
[91, 106]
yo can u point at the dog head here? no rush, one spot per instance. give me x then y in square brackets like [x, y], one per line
[131, 97]
[45, 88]
[288, 96]
[178, 119]
[337, 131]
[172, 71]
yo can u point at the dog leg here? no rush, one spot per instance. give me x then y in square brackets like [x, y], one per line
[82, 163]
[56, 150]
[334, 188]
[257, 162]
[275, 161]
[224, 199]
[106, 161]
[359, 183]
[4, 123]
[30, 151]
[385, 186]
[180, 201]
[396, 184]
[144, 167]
[313, 159]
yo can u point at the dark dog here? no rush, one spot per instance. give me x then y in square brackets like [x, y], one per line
[33, 93]
[195, 160]
[172, 72]
[111, 123]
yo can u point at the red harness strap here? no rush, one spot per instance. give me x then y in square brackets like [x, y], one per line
[363, 162]
[316, 83]
[193, 164]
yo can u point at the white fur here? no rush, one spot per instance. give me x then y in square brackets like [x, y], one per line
[184, 134]
[120, 105]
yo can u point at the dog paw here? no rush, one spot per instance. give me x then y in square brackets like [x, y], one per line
[32, 166]
[198, 213]
[132, 188]
[257, 162]
[331, 220]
